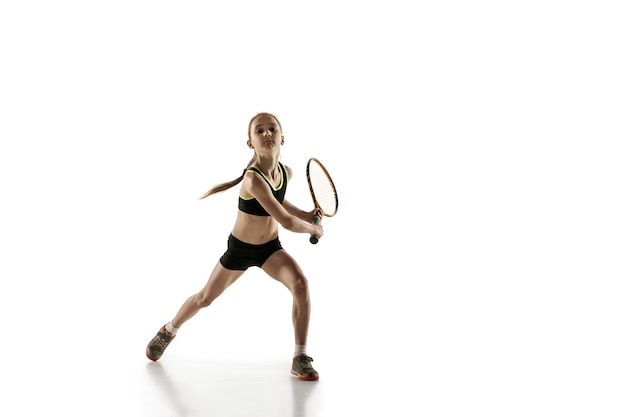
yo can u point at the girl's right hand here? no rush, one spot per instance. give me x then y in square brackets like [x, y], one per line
[311, 215]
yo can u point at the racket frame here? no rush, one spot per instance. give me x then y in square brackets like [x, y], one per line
[330, 180]
[314, 239]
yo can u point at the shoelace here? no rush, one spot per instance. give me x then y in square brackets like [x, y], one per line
[305, 361]
[162, 341]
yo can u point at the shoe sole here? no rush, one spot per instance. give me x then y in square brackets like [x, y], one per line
[304, 377]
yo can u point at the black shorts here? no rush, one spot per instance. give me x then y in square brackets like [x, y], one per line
[241, 255]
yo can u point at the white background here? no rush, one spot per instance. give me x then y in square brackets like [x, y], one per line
[476, 262]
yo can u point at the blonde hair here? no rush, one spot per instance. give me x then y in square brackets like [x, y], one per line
[229, 184]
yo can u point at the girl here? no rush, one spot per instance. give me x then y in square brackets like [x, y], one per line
[254, 241]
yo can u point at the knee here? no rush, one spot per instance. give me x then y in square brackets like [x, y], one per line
[300, 287]
[202, 300]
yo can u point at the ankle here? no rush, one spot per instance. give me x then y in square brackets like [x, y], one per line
[299, 350]
[169, 328]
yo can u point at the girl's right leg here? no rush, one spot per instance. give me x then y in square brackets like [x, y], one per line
[220, 279]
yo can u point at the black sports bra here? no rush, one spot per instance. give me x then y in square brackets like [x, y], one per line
[251, 205]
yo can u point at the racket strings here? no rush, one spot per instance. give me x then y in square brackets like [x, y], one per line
[323, 189]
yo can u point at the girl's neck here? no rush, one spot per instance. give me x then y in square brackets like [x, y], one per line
[267, 164]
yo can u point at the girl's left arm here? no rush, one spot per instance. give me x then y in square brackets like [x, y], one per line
[307, 216]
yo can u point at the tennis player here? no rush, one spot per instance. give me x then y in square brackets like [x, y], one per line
[254, 242]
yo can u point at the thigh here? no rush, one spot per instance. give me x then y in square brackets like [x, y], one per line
[220, 279]
[283, 267]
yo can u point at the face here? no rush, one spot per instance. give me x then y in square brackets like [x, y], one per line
[265, 134]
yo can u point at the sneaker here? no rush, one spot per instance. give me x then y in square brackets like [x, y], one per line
[157, 345]
[303, 369]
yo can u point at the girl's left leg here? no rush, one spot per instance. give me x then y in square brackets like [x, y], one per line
[283, 268]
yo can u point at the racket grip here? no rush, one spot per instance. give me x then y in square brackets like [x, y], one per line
[314, 239]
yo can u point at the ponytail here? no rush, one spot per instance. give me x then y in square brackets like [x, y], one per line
[226, 185]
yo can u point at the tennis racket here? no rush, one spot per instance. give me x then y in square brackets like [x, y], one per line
[322, 190]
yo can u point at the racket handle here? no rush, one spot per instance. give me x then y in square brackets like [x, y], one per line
[314, 239]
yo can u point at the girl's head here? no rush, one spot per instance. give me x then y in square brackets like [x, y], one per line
[265, 134]
[266, 118]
